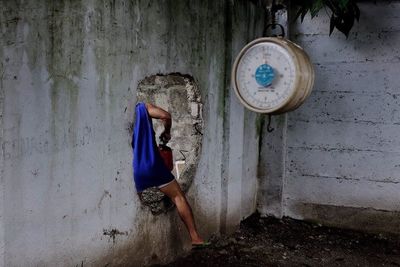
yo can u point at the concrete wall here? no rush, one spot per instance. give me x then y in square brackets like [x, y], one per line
[69, 71]
[340, 164]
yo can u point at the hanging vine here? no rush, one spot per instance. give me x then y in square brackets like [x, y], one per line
[343, 13]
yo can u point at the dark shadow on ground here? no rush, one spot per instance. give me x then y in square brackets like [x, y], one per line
[287, 242]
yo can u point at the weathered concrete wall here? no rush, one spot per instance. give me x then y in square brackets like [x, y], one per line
[69, 71]
[2, 181]
[341, 164]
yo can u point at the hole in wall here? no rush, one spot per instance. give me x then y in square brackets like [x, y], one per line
[179, 95]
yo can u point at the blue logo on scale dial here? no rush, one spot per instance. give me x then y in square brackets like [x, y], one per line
[264, 75]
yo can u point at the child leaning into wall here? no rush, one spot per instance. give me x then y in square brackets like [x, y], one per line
[150, 169]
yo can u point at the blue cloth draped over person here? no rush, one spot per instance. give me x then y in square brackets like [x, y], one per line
[149, 168]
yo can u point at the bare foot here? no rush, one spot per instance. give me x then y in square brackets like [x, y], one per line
[198, 243]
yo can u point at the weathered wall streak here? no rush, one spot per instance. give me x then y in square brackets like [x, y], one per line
[272, 159]
[239, 174]
[69, 73]
[343, 143]
[246, 153]
[2, 153]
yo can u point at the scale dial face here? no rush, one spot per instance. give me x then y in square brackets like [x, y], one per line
[265, 76]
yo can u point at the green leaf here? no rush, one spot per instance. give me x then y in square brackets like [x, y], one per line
[344, 12]
[303, 14]
[332, 24]
[343, 4]
[356, 12]
[344, 22]
[316, 7]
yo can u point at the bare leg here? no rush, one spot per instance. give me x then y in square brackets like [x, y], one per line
[173, 191]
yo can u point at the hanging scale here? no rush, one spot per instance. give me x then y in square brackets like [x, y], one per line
[272, 75]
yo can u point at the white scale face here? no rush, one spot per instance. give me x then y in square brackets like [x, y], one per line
[265, 76]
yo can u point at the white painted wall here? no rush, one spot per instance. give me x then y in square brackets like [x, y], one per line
[69, 71]
[342, 147]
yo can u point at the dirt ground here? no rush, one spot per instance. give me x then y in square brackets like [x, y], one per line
[288, 242]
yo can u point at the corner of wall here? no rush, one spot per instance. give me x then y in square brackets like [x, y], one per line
[2, 242]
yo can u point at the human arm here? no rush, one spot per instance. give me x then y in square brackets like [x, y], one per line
[159, 113]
